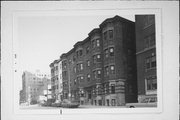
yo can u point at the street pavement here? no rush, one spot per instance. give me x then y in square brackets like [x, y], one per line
[80, 107]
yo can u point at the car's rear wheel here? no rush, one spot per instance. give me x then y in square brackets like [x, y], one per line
[132, 107]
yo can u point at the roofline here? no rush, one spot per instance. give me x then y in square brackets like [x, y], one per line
[115, 19]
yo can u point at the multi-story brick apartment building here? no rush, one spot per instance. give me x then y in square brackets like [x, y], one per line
[118, 38]
[60, 88]
[101, 70]
[146, 55]
[56, 79]
[32, 87]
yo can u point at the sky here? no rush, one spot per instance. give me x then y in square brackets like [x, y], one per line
[42, 39]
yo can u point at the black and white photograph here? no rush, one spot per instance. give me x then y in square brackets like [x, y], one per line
[114, 65]
[76, 59]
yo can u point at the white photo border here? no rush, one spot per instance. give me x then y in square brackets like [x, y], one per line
[127, 9]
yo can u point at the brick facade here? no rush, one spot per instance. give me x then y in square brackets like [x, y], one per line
[101, 70]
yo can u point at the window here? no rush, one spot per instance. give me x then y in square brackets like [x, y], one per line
[60, 66]
[81, 92]
[65, 95]
[113, 89]
[94, 91]
[98, 58]
[80, 53]
[153, 61]
[87, 50]
[89, 96]
[149, 41]
[64, 64]
[107, 88]
[112, 68]
[74, 69]
[94, 74]
[105, 36]
[94, 58]
[97, 42]
[106, 71]
[78, 79]
[110, 34]
[88, 63]
[78, 68]
[56, 67]
[74, 58]
[75, 81]
[106, 53]
[98, 73]
[64, 73]
[99, 90]
[88, 77]
[81, 79]
[93, 43]
[77, 54]
[111, 51]
[151, 84]
[150, 62]
[147, 63]
[81, 66]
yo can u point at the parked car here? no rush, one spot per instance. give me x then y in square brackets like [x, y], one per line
[48, 102]
[70, 104]
[147, 102]
[41, 103]
[57, 104]
[24, 104]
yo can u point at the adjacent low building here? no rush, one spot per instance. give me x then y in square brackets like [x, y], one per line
[146, 56]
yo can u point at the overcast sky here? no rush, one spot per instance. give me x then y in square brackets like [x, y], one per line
[43, 39]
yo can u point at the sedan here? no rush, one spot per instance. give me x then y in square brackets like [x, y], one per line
[69, 104]
[57, 104]
[147, 102]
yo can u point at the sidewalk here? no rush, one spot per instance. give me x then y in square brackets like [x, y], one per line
[93, 106]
